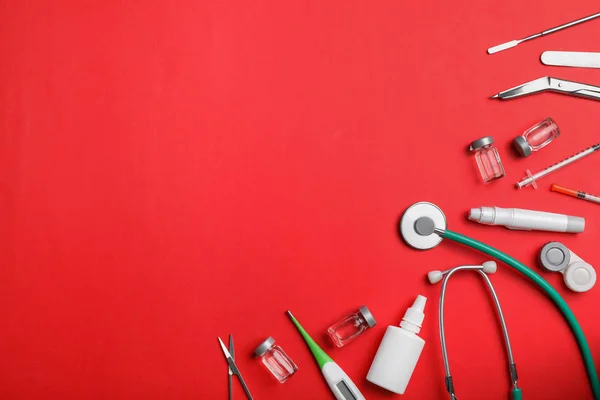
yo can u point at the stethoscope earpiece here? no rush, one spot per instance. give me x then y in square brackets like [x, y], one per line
[489, 267]
[435, 276]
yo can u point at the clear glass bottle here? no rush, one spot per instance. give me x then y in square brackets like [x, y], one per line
[350, 327]
[536, 137]
[274, 358]
[487, 158]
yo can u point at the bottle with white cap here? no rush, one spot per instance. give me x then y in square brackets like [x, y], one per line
[399, 351]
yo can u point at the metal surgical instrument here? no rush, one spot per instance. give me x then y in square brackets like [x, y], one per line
[423, 226]
[230, 372]
[513, 43]
[488, 267]
[571, 59]
[548, 83]
[234, 370]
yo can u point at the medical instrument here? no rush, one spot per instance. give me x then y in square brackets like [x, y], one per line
[530, 179]
[487, 158]
[513, 43]
[234, 370]
[527, 220]
[399, 351]
[276, 360]
[548, 83]
[535, 138]
[230, 377]
[351, 326]
[423, 226]
[488, 267]
[339, 383]
[579, 276]
[576, 193]
[571, 59]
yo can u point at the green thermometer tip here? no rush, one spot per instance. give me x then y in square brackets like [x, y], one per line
[320, 356]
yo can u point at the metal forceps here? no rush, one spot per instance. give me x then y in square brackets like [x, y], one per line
[233, 369]
[548, 83]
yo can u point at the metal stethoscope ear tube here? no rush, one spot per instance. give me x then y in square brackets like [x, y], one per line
[488, 267]
[423, 226]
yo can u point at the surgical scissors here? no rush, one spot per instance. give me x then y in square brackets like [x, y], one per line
[548, 83]
[233, 369]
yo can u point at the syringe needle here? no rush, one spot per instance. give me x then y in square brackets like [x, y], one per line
[530, 179]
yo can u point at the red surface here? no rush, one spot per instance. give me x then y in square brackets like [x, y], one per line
[171, 172]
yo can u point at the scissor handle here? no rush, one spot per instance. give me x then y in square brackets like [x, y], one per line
[590, 94]
[575, 88]
[239, 375]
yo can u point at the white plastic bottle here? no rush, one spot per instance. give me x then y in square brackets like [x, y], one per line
[399, 351]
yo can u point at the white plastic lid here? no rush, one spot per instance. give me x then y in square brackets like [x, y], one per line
[580, 277]
[413, 318]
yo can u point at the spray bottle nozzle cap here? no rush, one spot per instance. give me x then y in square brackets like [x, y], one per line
[413, 318]
[419, 303]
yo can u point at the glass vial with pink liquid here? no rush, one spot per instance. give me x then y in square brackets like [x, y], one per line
[536, 137]
[487, 158]
[351, 326]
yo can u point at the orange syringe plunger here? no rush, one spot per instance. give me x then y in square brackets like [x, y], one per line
[560, 189]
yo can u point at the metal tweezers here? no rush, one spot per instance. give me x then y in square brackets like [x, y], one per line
[553, 85]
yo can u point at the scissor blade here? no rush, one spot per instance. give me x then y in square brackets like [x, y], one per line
[537, 85]
[232, 366]
[227, 355]
[231, 350]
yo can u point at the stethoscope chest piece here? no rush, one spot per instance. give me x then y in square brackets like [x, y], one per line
[418, 224]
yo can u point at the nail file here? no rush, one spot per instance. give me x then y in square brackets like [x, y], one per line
[571, 59]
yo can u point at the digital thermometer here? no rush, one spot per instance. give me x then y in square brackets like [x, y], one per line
[340, 384]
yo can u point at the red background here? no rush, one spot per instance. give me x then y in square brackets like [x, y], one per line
[173, 171]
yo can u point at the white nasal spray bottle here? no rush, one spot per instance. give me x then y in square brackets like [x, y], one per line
[399, 351]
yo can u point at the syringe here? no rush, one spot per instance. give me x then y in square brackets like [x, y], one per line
[530, 179]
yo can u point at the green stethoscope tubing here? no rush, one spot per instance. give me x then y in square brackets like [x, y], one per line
[550, 291]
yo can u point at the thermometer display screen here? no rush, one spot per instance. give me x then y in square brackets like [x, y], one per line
[345, 390]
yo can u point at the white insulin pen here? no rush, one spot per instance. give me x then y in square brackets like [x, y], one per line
[516, 218]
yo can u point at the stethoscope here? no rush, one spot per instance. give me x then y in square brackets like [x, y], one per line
[488, 267]
[423, 226]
